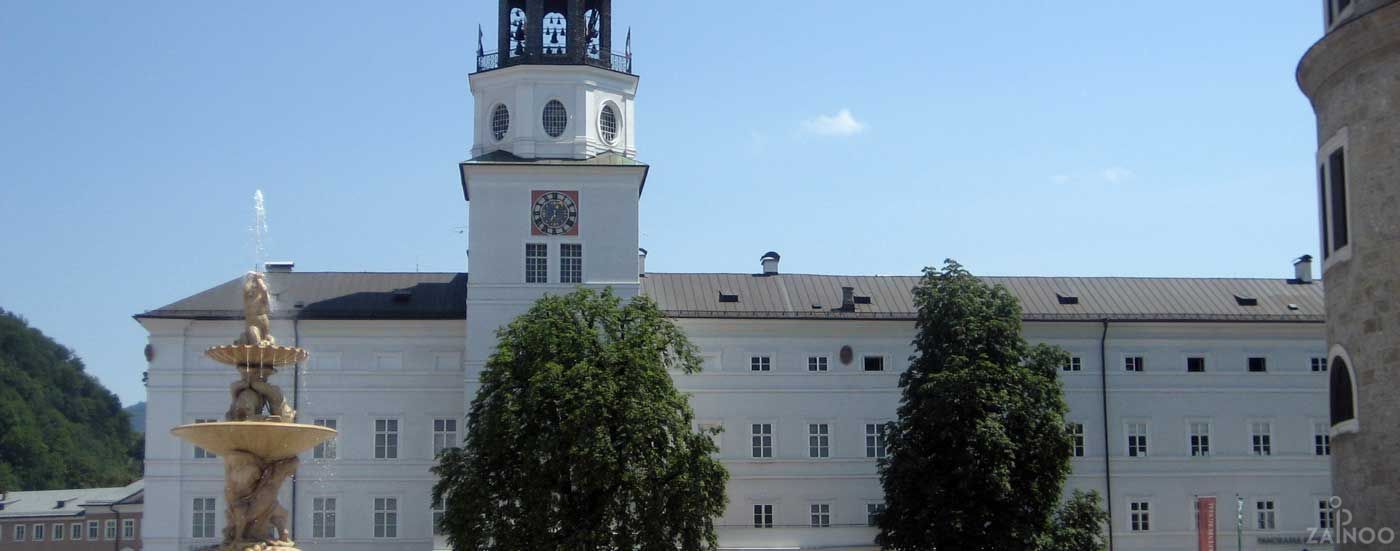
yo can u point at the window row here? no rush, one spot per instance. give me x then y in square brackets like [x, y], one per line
[386, 438]
[1137, 441]
[817, 363]
[819, 516]
[1256, 513]
[91, 530]
[1195, 364]
[818, 440]
[570, 263]
[324, 513]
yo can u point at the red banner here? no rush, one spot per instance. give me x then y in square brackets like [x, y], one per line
[1205, 524]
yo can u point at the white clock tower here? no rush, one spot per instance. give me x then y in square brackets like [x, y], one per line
[553, 185]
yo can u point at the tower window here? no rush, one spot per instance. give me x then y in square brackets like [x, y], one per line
[536, 263]
[556, 118]
[1258, 364]
[500, 121]
[1339, 388]
[1196, 364]
[571, 263]
[607, 123]
[1332, 199]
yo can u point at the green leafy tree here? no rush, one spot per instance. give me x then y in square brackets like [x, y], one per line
[980, 451]
[1078, 524]
[578, 440]
[59, 427]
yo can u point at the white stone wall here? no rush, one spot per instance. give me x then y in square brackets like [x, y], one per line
[1289, 396]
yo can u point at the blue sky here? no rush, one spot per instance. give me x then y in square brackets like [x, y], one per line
[1134, 138]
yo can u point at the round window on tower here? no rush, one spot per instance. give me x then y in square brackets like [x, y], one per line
[500, 121]
[607, 123]
[556, 118]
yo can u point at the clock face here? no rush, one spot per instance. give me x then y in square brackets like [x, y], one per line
[554, 213]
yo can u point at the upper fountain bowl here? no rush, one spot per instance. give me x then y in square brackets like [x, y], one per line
[247, 355]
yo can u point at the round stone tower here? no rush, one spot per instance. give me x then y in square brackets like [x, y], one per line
[1352, 78]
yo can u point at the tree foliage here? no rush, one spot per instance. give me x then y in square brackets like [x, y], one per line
[980, 451]
[578, 439]
[1078, 524]
[59, 427]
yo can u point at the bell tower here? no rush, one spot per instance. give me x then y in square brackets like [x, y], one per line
[553, 185]
[554, 87]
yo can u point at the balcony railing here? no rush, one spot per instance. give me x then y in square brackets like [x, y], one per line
[605, 59]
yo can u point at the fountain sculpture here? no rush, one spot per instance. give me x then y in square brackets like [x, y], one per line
[259, 438]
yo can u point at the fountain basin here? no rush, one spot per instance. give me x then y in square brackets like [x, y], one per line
[271, 441]
[247, 355]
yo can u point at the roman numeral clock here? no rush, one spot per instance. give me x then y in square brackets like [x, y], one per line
[554, 213]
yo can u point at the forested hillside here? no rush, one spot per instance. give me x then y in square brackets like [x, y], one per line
[59, 427]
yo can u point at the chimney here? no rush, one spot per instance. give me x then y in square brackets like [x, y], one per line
[1302, 269]
[770, 263]
[848, 299]
[279, 266]
[641, 262]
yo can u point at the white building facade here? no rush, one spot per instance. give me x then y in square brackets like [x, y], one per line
[1182, 388]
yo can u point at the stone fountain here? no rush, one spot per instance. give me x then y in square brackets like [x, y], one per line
[259, 438]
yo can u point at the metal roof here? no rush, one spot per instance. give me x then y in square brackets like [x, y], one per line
[334, 295]
[891, 297]
[56, 503]
[342, 295]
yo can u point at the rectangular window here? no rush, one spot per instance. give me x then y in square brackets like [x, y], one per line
[1196, 364]
[324, 450]
[1322, 439]
[19, 532]
[1337, 184]
[875, 446]
[821, 515]
[817, 364]
[762, 440]
[323, 517]
[536, 263]
[386, 517]
[1326, 517]
[1075, 364]
[109, 530]
[1264, 514]
[92, 527]
[874, 363]
[1076, 435]
[57, 531]
[571, 263]
[1133, 364]
[1137, 439]
[75, 531]
[444, 435]
[128, 529]
[1140, 516]
[438, 512]
[201, 453]
[386, 438]
[1200, 439]
[39, 532]
[760, 363]
[1260, 438]
[818, 440]
[1319, 365]
[763, 516]
[872, 513]
[1258, 364]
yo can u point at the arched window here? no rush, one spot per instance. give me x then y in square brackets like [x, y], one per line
[1341, 390]
[556, 34]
